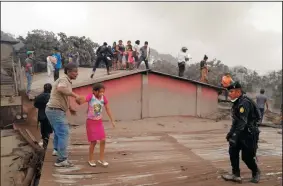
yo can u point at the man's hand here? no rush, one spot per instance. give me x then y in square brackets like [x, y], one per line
[73, 111]
[80, 99]
[228, 136]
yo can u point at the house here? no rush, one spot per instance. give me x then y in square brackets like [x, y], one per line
[10, 107]
[147, 94]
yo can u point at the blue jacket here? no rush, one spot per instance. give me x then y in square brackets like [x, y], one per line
[59, 60]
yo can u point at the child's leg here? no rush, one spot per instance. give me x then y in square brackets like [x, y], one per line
[102, 148]
[91, 151]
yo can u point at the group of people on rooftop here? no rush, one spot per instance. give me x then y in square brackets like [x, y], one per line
[122, 57]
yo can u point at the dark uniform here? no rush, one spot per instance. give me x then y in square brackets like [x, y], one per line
[243, 136]
[102, 53]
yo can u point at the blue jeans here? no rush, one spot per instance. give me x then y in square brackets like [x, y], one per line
[58, 120]
[262, 113]
[29, 79]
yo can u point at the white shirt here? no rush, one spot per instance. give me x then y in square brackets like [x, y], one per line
[182, 56]
[137, 48]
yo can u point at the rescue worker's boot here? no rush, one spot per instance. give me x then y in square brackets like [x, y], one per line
[256, 176]
[232, 177]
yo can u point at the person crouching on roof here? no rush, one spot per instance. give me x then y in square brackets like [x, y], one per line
[94, 126]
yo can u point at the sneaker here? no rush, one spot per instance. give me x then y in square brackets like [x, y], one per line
[92, 163]
[65, 163]
[256, 177]
[54, 153]
[103, 163]
[232, 177]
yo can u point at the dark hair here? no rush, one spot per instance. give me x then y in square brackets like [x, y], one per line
[98, 86]
[205, 57]
[29, 55]
[47, 88]
[70, 67]
[262, 91]
[56, 49]
[120, 40]
[105, 43]
[146, 43]
[137, 42]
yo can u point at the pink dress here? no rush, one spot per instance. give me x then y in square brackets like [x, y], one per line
[94, 126]
[130, 57]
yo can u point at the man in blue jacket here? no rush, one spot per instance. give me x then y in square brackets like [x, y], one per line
[58, 65]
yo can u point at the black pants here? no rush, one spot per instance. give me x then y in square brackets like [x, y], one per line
[182, 67]
[145, 62]
[45, 130]
[98, 61]
[248, 148]
[56, 74]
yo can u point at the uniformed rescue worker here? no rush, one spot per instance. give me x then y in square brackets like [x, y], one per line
[103, 54]
[243, 135]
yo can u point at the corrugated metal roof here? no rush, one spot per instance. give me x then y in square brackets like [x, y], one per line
[170, 151]
[8, 39]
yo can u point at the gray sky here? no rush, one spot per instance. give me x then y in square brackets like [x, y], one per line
[248, 34]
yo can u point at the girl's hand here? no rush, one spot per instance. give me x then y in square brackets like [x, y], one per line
[113, 124]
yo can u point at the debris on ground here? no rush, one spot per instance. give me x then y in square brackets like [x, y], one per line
[273, 117]
[20, 160]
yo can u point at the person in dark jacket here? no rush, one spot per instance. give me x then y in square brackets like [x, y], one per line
[243, 135]
[40, 103]
[103, 54]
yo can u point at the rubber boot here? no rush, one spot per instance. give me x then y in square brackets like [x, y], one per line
[256, 177]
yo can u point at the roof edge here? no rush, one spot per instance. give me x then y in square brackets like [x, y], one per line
[185, 79]
[118, 76]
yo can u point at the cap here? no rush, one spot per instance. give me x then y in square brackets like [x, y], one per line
[184, 48]
[29, 52]
[235, 85]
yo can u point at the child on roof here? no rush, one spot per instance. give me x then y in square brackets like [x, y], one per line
[131, 60]
[94, 126]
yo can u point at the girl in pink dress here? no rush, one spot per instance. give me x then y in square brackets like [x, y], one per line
[131, 59]
[94, 126]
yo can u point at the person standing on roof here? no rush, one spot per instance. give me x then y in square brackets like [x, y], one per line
[58, 65]
[145, 53]
[136, 51]
[183, 57]
[121, 50]
[103, 53]
[261, 101]
[204, 70]
[115, 56]
[226, 82]
[29, 70]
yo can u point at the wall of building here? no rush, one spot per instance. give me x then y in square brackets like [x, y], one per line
[123, 94]
[151, 95]
[6, 50]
